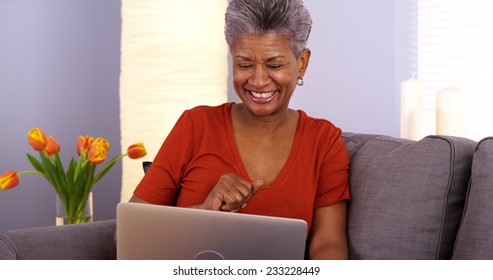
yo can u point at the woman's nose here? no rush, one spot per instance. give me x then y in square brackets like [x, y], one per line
[260, 77]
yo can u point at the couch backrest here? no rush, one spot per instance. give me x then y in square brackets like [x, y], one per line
[407, 196]
[475, 237]
[91, 241]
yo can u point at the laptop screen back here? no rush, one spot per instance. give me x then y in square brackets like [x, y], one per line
[147, 231]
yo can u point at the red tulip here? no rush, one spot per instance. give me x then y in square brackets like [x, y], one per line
[136, 151]
[37, 139]
[9, 180]
[83, 144]
[52, 146]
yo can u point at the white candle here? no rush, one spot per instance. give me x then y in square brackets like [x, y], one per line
[422, 123]
[411, 99]
[451, 112]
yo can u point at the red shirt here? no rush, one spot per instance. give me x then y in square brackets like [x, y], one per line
[201, 148]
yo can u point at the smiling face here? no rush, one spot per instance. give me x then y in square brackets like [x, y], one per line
[265, 71]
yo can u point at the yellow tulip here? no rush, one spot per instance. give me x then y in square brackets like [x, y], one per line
[136, 151]
[100, 141]
[37, 139]
[9, 180]
[97, 154]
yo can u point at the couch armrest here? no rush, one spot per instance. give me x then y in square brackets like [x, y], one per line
[70, 242]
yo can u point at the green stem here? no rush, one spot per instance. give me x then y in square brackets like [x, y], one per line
[31, 172]
[75, 206]
[108, 167]
[85, 163]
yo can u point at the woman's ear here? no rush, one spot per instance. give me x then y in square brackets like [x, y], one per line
[303, 60]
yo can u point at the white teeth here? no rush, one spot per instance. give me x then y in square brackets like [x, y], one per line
[262, 95]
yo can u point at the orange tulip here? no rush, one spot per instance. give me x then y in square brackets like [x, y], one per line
[9, 180]
[83, 144]
[100, 141]
[136, 151]
[52, 146]
[37, 139]
[97, 154]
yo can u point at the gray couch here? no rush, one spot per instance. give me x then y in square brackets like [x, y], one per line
[429, 199]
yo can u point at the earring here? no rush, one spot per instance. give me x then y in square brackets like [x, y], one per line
[300, 81]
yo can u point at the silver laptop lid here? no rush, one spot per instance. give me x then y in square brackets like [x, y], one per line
[147, 231]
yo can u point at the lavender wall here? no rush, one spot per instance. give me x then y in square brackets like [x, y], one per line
[360, 54]
[351, 76]
[59, 70]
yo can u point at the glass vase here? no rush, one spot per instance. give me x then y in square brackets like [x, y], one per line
[74, 208]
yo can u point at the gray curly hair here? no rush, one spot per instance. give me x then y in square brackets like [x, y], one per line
[261, 17]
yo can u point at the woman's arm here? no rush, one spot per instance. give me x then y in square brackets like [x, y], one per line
[230, 194]
[328, 233]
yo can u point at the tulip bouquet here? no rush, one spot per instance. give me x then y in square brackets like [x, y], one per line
[74, 184]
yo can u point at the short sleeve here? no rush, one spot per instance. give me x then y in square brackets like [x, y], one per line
[333, 185]
[161, 183]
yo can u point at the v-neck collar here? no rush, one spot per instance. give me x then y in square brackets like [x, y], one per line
[236, 154]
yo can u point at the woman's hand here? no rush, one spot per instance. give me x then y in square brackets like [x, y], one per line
[231, 193]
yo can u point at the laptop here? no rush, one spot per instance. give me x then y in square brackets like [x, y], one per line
[155, 232]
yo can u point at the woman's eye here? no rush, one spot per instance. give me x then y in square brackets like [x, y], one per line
[244, 66]
[274, 66]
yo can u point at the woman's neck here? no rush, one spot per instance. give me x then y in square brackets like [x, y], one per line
[262, 124]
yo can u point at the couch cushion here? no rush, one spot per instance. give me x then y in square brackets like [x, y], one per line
[354, 141]
[407, 196]
[475, 237]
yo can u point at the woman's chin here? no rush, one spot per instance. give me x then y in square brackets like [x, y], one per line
[262, 109]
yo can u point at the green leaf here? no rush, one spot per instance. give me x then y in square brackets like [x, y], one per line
[59, 168]
[80, 163]
[90, 178]
[47, 169]
[52, 173]
[84, 180]
[71, 172]
[35, 163]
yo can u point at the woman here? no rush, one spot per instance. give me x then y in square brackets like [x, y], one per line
[259, 156]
